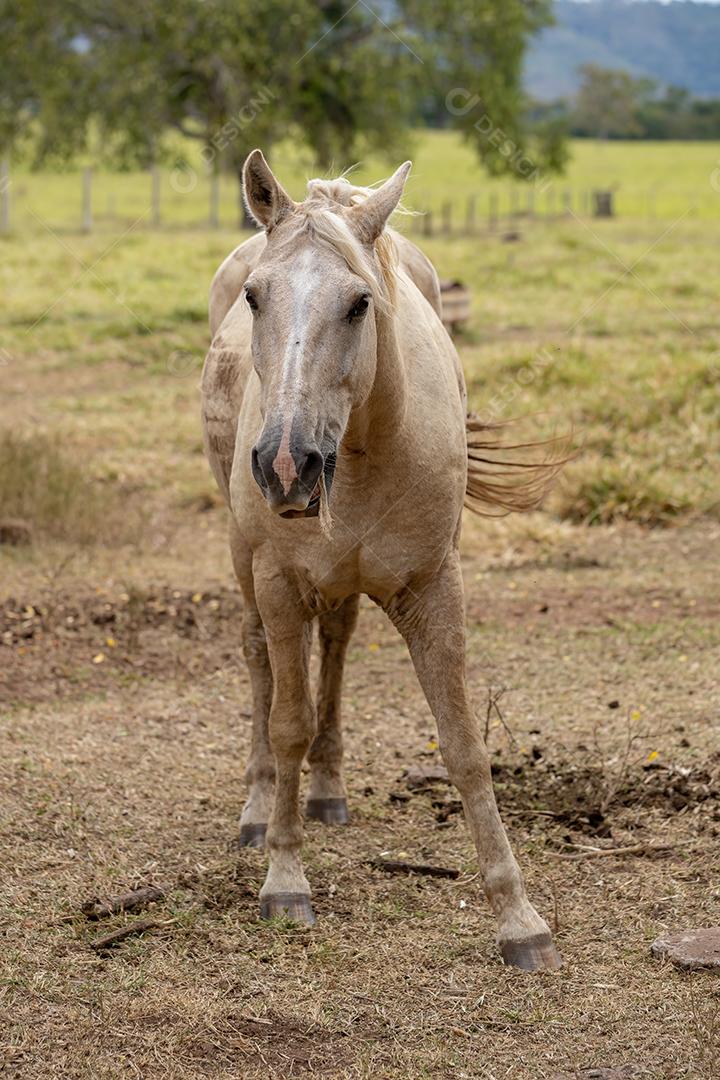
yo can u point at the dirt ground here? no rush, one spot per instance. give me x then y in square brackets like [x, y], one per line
[593, 658]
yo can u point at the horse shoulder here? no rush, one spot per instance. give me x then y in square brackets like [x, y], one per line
[430, 356]
[420, 270]
[227, 367]
[230, 278]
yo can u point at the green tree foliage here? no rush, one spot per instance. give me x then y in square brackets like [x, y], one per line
[340, 79]
[608, 101]
[234, 75]
[474, 53]
[44, 90]
[611, 104]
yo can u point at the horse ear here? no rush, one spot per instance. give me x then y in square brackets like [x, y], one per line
[368, 218]
[265, 198]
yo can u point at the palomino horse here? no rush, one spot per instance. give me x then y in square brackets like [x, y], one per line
[335, 424]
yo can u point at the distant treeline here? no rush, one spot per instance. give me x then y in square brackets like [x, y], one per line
[612, 104]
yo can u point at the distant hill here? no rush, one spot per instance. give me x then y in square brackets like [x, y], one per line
[675, 43]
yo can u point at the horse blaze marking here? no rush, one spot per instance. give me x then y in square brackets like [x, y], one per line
[284, 463]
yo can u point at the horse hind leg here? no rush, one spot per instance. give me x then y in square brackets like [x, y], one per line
[432, 623]
[327, 797]
[260, 770]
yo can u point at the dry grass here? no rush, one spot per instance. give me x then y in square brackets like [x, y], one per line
[130, 770]
[49, 491]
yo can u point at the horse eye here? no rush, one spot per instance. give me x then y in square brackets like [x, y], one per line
[252, 302]
[358, 309]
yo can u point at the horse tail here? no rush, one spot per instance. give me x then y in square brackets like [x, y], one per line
[498, 484]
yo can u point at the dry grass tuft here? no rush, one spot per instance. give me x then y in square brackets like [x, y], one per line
[52, 495]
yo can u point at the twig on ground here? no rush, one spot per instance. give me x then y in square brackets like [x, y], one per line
[129, 901]
[590, 852]
[467, 880]
[556, 908]
[109, 941]
[493, 706]
[392, 866]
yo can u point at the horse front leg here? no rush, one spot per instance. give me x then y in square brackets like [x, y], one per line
[291, 729]
[327, 798]
[260, 771]
[432, 621]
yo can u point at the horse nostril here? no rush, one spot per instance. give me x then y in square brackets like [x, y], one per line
[311, 469]
[314, 461]
[256, 468]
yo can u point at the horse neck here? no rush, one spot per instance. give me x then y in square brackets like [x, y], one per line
[375, 424]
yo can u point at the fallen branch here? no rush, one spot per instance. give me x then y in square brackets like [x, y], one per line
[592, 853]
[129, 901]
[109, 941]
[390, 866]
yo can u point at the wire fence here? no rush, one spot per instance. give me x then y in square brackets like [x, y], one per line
[93, 200]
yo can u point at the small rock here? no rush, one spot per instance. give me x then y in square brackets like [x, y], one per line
[691, 950]
[418, 777]
[16, 533]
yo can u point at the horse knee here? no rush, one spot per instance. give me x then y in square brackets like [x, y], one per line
[467, 764]
[292, 727]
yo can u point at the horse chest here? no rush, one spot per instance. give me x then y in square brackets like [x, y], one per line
[379, 565]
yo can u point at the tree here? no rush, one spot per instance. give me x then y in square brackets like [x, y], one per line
[473, 52]
[339, 79]
[44, 98]
[608, 102]
[233, 75]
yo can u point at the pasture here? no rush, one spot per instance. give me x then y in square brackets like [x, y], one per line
[594, 644]
[650, 180]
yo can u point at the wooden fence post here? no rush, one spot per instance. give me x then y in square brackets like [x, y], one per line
[427, 223]
[493, 210]
[447, 218]
[214, 199]
[531, 203]
[155, 195]
[5, 195]
[567, 202]
[603, 204]
[87, 221]
[470, 217]
[513, 202]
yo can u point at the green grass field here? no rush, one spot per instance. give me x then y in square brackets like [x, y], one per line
[661, 180]
[603, 326]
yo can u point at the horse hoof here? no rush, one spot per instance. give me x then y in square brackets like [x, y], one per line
[295, 906]
[330, 811]
[536, 953]
[252, 836]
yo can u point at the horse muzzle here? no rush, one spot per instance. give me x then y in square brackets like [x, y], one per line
[290, 476]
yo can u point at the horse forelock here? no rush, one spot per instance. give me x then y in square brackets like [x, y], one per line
[320, 217]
